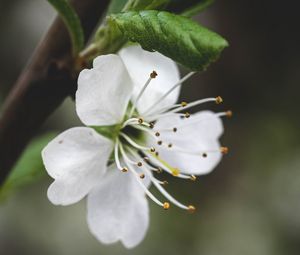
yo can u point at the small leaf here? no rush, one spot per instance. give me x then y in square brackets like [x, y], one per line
[29, 167]
[116, 6]
[197, 8]
[72, 22]
[138, 5]
[176, 37]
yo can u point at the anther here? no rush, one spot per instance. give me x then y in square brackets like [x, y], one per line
[153, 75]
[224, 150]
[124, 169]
[159, 170]
[187, 115]
[151, 125]
[193, 178]
[204, 155]
[219, 100]
[229, 114]
[165, 183]
[174, 129]
[139, 164]
[183, 104]
[191, 208]
[152, 149]
[156, 154]
[157, 134]
[140, 120]
[170, 145]
[175, 172]
[146, 159]
[142, 176]
[159, 142]
[166, 205]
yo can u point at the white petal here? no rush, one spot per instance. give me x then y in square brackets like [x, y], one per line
[76, 159]
[103, 92]
[118, 210]
[201, 136]
[140, 64]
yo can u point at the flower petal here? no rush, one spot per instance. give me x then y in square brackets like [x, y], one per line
[196, 135]
[140, 64]
[118, 210]
[103, 92]
[76, 159]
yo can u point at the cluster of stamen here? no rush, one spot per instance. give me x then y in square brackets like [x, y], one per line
[143, 161]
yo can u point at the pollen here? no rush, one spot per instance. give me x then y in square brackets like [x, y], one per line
[174, 129]
[153, 75]
[124, 169]
[140, 120]
[139, 164]
[151, 124]
[142, 176]
[183, 104]
[193, 178]
[156, 154]
[219, 100]
[159, 142]
[166, 205]
[175, 172]
[152, 149]
[224, 150]
[157, 134]
[191, 208]
[187, 115]
[229, 114]
[204, 155]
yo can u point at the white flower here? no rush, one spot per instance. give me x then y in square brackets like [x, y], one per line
[133, 126]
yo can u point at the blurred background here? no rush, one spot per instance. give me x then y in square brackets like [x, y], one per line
[250, 204]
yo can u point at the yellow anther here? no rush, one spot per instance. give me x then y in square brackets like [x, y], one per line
[183, 104]
[124, 169]
[175, 172]
[170, 145]
[219, 100]
[193, 178]
[152, 149]
[191, 208]
[166, 205]
[159, 142]
[187, 115]
[142, 176]
[229, 114]
[157, 134]
[153, 75]
[224, 150]
[204, 155]
[139, 164]
[140, 120]
[174, 129]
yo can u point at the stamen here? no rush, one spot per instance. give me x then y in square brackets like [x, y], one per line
[227, 114]
[224, 150]
[193, 178]
[191, 208]
[152, 76]
[166, 205]
[117, 159]
[135, 145]
[219, 100]
[148, 193]
[168, 92]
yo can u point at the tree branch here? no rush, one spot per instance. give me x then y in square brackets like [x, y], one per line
[43, 85]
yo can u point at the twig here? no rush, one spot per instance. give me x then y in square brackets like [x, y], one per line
[43, 85]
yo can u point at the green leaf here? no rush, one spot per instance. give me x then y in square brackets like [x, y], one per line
[138, 5]
[116, 6]
[197, 8]
[29, 167]
[177, 37]
[72, 21]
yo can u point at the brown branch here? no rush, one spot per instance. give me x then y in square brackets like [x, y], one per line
[43, 85]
